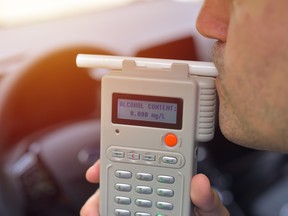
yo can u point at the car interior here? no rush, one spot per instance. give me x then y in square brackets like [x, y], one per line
[50, 110]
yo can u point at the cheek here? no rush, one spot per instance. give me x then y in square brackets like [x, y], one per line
[257, 39]
[256, 57]
[248, 59]
[254, 77]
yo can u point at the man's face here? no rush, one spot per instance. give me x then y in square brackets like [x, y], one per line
[252, 58]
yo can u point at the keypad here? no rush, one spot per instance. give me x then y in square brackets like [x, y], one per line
[149, 191]
[144, 188]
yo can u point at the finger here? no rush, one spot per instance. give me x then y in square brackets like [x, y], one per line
[93, 173]
[91, 207]
[205, 199]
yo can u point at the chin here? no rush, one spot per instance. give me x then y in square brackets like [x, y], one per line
[252, 139]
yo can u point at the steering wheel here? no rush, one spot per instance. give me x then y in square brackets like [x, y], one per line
[49, 135]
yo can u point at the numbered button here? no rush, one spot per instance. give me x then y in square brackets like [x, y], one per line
[123, 174]
[169, 160]
[165, 179]
[165, 192]
[144, 176]
[142, 214]
[143, 203]
[121, 212]
[164, 205]
[122, 200]
[144, 190]
[123, 187]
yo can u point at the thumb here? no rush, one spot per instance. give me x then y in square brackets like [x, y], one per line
[205, 199]
[93, 173]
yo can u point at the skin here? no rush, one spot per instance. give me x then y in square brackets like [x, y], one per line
[250, 54]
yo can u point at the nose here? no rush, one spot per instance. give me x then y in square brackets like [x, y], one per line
[213, 19]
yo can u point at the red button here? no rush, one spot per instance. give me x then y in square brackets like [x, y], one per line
[170, 140]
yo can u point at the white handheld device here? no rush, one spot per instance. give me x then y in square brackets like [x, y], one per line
[154, 112]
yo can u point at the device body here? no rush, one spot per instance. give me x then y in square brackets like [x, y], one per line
[152, 120]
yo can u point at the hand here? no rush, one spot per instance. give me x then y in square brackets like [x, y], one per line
[91, 207]
[205, 199]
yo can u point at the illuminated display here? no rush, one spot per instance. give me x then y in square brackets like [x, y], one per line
[151, 111]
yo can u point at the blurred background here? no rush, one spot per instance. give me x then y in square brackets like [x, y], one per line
[50, 109]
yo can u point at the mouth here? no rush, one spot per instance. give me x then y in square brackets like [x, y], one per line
[218, 55]
[218, 59]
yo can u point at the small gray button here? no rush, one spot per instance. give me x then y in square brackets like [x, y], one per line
[142, 214]
[123, 174]
[144, 190]
[121, 212]
[144, 176]
[149, 157]
[118, 154]
[165, 192]
[165, 179]
[123, 187]
[164, 205]
[122, 200]
[143, 203]
[169, 160]
[133, 156]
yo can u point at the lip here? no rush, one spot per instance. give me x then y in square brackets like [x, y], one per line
[218, 54]
[218, 59]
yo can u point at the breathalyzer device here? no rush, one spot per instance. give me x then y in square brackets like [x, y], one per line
[154, 113]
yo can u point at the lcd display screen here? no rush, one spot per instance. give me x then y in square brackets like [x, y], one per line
[144, 110]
